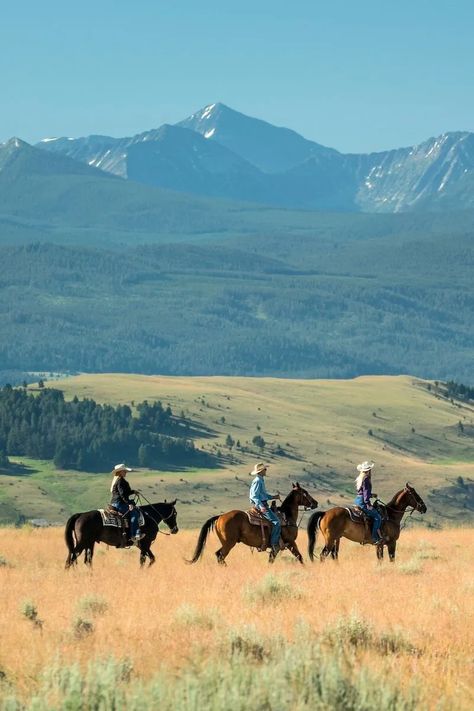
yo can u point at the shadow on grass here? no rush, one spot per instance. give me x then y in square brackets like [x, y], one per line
[18, 469]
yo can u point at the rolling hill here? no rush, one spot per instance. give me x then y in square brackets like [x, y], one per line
[315, 431]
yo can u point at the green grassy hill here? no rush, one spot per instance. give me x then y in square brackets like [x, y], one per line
[315, 431]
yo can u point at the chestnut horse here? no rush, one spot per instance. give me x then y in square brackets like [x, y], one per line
[337, 522]
[234, 527]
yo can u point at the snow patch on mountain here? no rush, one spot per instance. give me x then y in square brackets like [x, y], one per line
[207, 113]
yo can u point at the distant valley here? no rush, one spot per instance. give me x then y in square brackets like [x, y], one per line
[104, 267]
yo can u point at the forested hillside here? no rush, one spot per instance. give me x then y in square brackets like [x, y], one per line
[84, 435]
[268, 304]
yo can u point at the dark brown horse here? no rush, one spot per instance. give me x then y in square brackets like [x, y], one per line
[234, 527]
[337, 523]
[84, 530]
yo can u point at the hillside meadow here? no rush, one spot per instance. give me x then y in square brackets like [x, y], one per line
[347, 635]
[314, 431]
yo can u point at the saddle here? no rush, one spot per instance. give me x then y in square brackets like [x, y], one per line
[357, 514]
[256, 518]
[112, 517]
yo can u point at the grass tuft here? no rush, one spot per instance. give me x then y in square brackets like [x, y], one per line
[190, 616]
[93, 604]
[358, 634]
[30, 611]
[82, 628]
[271, 589]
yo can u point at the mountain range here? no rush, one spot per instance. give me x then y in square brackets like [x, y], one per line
[219, 152]
[130, 255]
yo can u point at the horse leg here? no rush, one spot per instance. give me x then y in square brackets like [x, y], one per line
[328, 548]
[72, 557]
[223, 552]
[272, 556]
[380, 552]
[294, 549]
[89, 554]
[144, 554]
[335, 549]
[391, 547]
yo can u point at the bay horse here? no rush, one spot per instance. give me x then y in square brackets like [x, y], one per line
[337, 523]
[234, 527]
[84, 530]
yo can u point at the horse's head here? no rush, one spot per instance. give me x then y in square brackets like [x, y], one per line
[414, 499]
[303, 497]
[170, 517]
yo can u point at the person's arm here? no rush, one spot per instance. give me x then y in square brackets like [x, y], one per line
[254, 494]
[268, 496]
[124, 491]
[367, 491]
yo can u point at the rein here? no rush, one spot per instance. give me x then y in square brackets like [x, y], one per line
[306, 508]
[394, 508]
[146, 513]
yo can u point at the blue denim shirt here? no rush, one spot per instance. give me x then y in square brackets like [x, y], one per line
[258, 493]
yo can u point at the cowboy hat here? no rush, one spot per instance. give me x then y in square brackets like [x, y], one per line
[259, 468]
[122, 468]
[365, 466]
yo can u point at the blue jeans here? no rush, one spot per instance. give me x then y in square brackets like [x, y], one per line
[374, 515]
[276, 528]
[123, 508]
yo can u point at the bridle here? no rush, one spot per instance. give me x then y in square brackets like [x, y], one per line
[162, 518]
[309, 505]
[419, 503]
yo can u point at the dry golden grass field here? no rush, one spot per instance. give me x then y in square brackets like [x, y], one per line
[347, 635]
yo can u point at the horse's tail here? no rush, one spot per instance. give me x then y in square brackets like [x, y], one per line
[69, 536]
[208, 526]
[312, 530]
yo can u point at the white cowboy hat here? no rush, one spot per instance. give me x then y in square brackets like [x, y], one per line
[258, 469]
[365, 466]
[122, 468]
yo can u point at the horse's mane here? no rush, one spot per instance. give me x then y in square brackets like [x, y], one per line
[158, 506]
[395, 498]
[286, 503]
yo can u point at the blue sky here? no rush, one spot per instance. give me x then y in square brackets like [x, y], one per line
[357, 76]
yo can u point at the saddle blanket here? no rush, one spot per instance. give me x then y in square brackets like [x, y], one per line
[356, 514]
[256, 518]
[115, 519]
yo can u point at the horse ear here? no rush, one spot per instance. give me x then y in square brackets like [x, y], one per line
[408, 485]
[173, 502]
[294, 485]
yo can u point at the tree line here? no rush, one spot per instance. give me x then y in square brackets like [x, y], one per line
[459, 391]
[88, 436]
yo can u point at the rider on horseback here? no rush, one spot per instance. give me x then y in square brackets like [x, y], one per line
[259, 497]
[121, 492]
[364, 494]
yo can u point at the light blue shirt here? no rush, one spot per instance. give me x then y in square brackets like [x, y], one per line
[258, 493]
